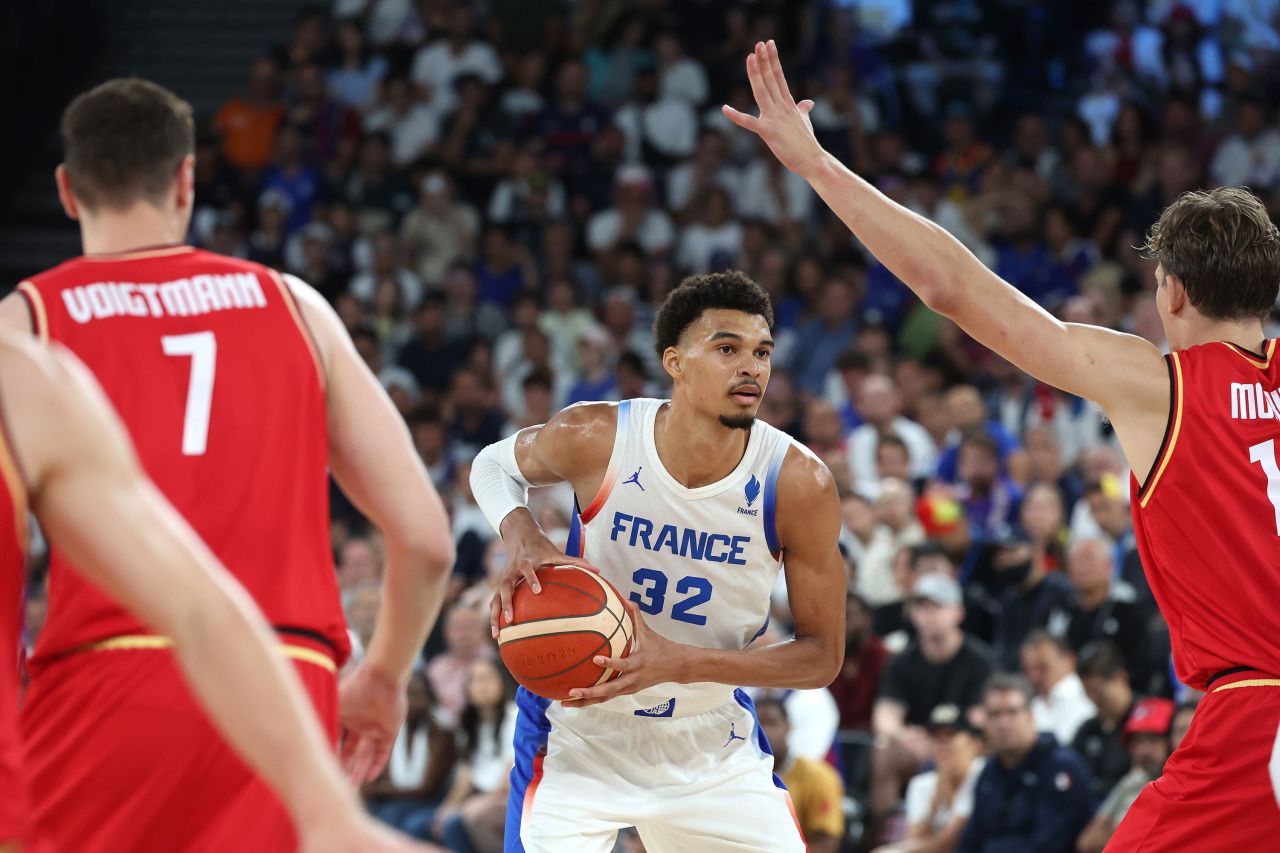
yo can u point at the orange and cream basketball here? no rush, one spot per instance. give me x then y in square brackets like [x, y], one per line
[553, 635]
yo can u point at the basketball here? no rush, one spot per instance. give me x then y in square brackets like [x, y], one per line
[552, 637]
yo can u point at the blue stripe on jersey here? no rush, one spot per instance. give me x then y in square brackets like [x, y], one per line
[763, 628]
[532, 728]
[761, 742]
[574, 546]
[771, 498]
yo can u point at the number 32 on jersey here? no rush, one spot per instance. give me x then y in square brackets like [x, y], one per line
[652, 596]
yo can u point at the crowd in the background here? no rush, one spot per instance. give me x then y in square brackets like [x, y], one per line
[496, 196]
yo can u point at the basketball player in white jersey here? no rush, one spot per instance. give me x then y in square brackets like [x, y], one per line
[689, 507]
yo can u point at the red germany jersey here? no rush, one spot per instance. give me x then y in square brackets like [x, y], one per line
[210, 365]
[1207, 520]
[14, 809]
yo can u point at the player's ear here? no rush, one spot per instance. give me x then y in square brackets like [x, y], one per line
[671, 362]
[186, 182]
[1177, 292]
[65, 195]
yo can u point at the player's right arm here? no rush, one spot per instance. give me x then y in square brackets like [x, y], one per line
[375, 463]
[1125, 374]
[93, 500]
[573, 447]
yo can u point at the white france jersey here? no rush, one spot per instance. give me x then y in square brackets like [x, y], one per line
[699, 563]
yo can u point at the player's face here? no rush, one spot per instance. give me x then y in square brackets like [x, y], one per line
[721, 365]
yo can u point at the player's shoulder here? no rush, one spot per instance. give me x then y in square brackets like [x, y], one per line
[586, 423]
[39, 379]
[802, 473]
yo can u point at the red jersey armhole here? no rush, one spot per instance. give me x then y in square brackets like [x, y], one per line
[295, 311]
[35, 307]
[1173, 426]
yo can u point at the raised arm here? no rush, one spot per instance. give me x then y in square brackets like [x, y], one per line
[573, 447]
[376, 465]
[93, 500]
[1125, 374]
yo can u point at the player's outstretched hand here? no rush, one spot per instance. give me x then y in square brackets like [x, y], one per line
[653, 660]
[360, 834]
[372, 709]
[528, 549]
[783, 124]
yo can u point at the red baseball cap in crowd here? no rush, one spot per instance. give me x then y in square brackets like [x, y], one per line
[1149, 717]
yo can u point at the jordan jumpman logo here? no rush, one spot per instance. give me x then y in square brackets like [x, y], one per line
[635, 478]
[732, 736]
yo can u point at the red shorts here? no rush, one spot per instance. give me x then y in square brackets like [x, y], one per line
[1221, 788]
[121, 758]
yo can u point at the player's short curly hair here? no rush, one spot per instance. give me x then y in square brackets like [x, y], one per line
[732, 290]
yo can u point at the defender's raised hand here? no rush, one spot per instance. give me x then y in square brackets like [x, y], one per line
[783, 124]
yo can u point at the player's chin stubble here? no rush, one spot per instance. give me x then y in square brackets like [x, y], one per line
[738, 421]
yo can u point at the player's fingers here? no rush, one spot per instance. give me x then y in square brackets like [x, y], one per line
[805, 106]
[741, 119]
[620, 664]
[775, 70]
[359, 760]
[381, 755]
[757, 82]
[530, 573]
[495, 607]
[767, 80]
[504, 593]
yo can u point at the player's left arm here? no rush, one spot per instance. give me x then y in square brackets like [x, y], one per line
[808, 524]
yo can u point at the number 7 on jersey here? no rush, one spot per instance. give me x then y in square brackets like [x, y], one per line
[202, 348]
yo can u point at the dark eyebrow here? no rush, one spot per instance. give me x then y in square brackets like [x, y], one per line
[767, 342]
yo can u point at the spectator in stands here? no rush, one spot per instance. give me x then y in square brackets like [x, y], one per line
[473, 813]
[441, 63]
[1060, 705]
[633, 218]
[942, 666]
[292, 177]
[660, 130]
[360, 603]
[466, 641]
[990, 498]
[328, 128]
[815, 788]
[569, 121]
[466, 319]
[1032, 794]
[709, 167]
[309, 42]
[679, 76]
[477, 422]
[409, 790]
[439, 231]
[712, 239]
[355, 79]
[247, 126]
[477, 142]
[378, 191]
[1026, 591]
[968, 414]
[880, 406]
[1147, 735]
[939, 801]
[411, 121]
[1098, 741]
[266, 243]
[385, 266]
[1104, 607]
[856, 686]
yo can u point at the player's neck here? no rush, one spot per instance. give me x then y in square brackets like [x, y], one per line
[695, 451]
[1243, 333]
[140, 226]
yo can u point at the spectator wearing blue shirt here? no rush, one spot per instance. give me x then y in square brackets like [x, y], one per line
[292, 177]
[1032, 795]
[991, 500]
[969, 413]
[821, 340]
[1026, 261]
